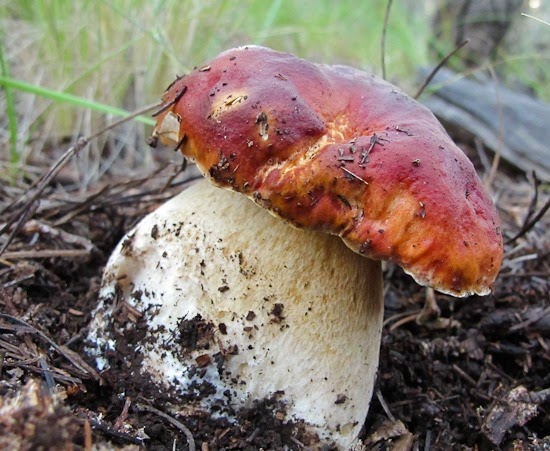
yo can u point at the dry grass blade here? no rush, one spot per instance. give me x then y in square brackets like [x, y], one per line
[71, 356]
[109, 431]
[383, 41]
[488, 182]
[530, 224]
[533, 319]
[436, 68]
[384, 405]
[48, 377]
[531, 217]
[19, 220]
[46, 253]
[536, 18]
[42, 228]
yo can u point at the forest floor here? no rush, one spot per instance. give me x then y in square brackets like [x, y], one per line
[479, 380]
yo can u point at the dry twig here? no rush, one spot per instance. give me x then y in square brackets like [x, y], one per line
[173, 422]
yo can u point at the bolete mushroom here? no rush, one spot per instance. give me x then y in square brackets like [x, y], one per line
[256, 309]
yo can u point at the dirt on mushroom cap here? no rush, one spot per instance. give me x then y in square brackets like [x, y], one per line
[333, 149]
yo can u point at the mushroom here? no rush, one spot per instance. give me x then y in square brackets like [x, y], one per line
[234, 298]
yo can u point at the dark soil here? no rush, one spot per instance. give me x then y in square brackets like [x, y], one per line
[476, 378]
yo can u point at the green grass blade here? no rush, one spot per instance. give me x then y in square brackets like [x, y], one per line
[10, 108]
[269, 19]
[64, 97]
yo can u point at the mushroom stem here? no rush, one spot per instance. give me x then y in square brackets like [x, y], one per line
[237, 300]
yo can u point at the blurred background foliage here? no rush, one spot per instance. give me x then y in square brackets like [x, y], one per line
[123, 53]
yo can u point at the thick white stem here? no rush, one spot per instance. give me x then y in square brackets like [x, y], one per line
[236, 298]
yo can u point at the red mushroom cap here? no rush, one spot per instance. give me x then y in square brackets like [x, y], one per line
[337, 150]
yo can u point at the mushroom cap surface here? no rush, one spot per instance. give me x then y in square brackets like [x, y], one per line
[336, 150]
[229, 315]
